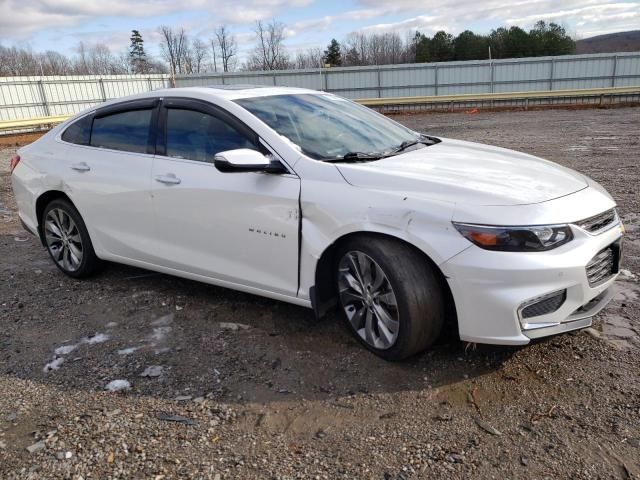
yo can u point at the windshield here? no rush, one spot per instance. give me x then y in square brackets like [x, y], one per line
[328, 127]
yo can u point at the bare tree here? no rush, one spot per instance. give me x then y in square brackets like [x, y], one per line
[173, 46]
[54, 63]
[198, 54]
[214, 55]
[90, 59]
[82, 66]
[310, 58]
[227, 46]
[269, 52]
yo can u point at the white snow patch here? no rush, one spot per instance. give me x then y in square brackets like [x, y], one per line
[163, 321]
[127, 351]
[159, 333]
[118, 385]
[111, 324]
[97, 338]
[65, 349]
[153, 371]
[53, 365]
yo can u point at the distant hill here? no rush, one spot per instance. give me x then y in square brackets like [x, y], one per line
[611, 42]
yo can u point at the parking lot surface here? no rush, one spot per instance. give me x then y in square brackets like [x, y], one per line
[212, 383]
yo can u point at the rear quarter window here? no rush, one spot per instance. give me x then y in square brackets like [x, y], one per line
[79, 132]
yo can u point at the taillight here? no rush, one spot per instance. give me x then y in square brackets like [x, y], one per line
[15, 160]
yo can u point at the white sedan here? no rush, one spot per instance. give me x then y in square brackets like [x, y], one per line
[309, 198]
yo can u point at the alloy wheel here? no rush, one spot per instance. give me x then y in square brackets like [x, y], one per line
[63, 239]
[368, 300]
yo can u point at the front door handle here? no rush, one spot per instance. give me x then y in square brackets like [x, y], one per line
[81, 167]
[168, 179]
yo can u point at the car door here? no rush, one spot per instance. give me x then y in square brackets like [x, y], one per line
[109, 178]
[240, 228]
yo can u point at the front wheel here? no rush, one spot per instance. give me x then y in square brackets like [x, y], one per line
[391, 296]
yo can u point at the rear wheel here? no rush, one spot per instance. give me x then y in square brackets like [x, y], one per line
[391, 296]
[67, 239]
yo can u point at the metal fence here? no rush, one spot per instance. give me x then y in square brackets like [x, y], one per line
[448, 78]
[29, 97]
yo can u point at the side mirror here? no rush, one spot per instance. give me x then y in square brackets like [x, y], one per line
[246, 160]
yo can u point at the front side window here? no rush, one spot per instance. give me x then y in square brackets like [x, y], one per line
[127, 131]
[327, 126]
[200, 136]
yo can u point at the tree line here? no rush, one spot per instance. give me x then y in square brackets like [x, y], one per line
[181, 54]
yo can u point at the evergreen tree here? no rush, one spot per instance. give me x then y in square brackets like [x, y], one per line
[422, 44]
[441, 48]
[551, 39]
[137, 55]
[469, 46]
[333, 55]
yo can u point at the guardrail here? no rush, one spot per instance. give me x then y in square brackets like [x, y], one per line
[43, 122]
[480, 97]
[31, 122]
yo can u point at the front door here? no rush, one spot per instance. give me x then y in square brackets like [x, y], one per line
[236, 227]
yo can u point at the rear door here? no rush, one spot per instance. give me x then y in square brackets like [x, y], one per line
[109, 177]
[240, 228]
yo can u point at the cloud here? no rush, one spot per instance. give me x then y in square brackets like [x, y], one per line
[21, 18]
[588, 17]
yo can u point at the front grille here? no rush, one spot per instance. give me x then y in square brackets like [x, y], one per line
[544, 305]
[602, 266]
[598, 222]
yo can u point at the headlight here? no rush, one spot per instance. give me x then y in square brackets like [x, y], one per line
[516, 239]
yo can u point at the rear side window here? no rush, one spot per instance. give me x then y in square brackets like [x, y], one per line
[79, 131]
[199, 136]
[127, 131]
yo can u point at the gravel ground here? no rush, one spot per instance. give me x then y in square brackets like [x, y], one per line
[226, 385]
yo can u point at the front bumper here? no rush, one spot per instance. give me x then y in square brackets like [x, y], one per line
[490, 288]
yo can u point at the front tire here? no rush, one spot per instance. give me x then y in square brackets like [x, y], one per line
[67, 239]
[391, 296]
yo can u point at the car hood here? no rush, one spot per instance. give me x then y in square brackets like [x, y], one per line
[465, 172]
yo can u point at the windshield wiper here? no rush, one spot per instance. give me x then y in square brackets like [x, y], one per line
[422, 139]
[356, 157]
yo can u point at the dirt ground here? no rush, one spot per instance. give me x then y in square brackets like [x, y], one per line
[281, 396]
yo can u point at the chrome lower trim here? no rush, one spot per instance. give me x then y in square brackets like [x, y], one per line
[581, 318]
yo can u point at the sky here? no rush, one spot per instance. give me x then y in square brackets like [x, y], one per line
[62, 24]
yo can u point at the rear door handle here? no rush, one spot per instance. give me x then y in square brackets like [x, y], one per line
[168, 179]
[81, 167]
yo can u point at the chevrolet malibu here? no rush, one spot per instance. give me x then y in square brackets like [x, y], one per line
[309, 198]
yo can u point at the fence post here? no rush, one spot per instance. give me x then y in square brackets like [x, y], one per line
[379, 83]
[326, 80]
[491, 79]
[43, 96]
[551, 74]
[149, 83]
[435, 67]
[102, 90]
[274, 80]
[222, 78]
[613, 74]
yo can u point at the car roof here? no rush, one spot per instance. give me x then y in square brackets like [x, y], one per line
[234, 92]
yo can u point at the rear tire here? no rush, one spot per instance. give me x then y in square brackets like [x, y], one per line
[391, 296]
[67, 239]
